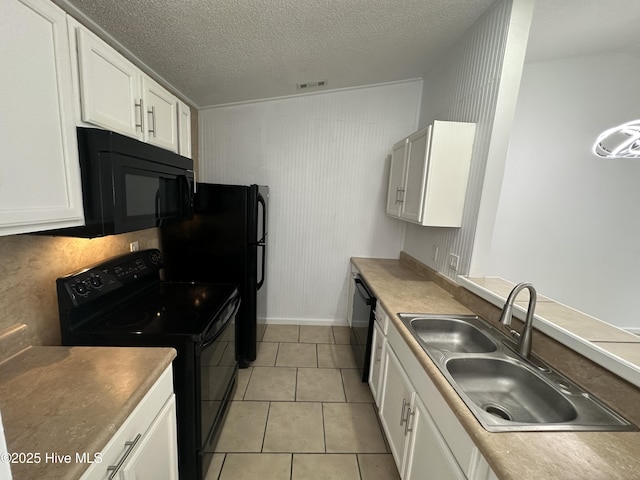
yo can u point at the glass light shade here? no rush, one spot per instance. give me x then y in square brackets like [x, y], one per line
[622, 141]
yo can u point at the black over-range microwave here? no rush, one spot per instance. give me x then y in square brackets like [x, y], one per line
[129, 185]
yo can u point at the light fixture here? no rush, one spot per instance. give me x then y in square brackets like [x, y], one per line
[622, 141]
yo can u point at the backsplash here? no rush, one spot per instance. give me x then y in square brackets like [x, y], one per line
[29, 266]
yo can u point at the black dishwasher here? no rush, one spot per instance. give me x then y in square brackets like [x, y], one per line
[362, 318]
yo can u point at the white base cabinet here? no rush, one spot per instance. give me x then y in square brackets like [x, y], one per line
[395, 408]
[39, 172]
[145, 446]
[429, 173]
[427, 451]
[425, 437]
[378, 352]
[378, 343]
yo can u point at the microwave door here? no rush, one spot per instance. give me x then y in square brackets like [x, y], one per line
[150, 196]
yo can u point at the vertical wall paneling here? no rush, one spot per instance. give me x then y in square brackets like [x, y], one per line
[324, 157]
[476, 81]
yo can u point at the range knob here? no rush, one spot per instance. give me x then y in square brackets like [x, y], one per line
[96, 281]
[81, 288]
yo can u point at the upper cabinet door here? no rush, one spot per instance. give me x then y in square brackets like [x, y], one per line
[416, 174]
[184, 129]
[396, 192]
[109, 87]
[161, 115]
[39, 172]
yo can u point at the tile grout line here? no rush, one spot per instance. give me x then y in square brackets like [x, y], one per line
[264, 433]
[224, 459]
[324, 430]
[358, 464]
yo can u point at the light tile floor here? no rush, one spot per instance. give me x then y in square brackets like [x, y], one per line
[301, 412]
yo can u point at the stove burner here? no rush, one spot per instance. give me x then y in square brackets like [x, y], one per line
[127, 319]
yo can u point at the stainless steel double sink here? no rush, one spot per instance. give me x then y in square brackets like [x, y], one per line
[507, 392]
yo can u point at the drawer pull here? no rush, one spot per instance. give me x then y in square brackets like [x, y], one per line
[130, 446]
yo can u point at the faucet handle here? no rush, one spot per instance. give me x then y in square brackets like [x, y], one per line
[516, 335]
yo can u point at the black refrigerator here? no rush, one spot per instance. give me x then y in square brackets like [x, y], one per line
[225, 242]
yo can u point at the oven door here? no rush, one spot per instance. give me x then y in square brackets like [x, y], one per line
[218, 375]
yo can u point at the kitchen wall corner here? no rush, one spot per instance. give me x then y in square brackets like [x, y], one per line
[475, 81]
[29, 266]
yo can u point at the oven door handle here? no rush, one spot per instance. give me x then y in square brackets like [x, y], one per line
[208, 339]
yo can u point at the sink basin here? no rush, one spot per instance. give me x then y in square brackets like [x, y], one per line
[452, 335]
[510, 391]
[504, 391]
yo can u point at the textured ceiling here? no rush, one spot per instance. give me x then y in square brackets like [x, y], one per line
[223, 51]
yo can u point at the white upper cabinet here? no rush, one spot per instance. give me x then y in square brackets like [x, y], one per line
[395, 194]
[116, 95]
[39, 172]
[109, 87]
[184, 129]
[161, 117]
[429, 174]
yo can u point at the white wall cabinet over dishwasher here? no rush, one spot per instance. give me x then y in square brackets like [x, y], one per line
[145, 446]
[429, 173]
[39, 173]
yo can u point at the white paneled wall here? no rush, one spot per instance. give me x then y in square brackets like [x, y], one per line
[324, 159]
[564, 213]
[477, 81]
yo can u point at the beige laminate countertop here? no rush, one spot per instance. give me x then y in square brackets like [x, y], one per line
[512, 455]
[69, 400]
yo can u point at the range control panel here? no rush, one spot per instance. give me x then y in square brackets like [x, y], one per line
[93, 282]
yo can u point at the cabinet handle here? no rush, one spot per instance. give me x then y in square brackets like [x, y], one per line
[404, 405]
[141, 106]
[400, 193]
[408, 429]
[130, 446]
[153, 120]
[379, 350]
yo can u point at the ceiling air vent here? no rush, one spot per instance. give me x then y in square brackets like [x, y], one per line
[309, 85]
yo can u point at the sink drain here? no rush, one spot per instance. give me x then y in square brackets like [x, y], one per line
[497, 411]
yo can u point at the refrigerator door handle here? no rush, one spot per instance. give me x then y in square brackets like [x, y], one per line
[264, 219]
[262, 245]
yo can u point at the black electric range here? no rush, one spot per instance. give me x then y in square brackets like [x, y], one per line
[124, 302]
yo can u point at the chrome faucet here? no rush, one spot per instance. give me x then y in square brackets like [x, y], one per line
[524, 343]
